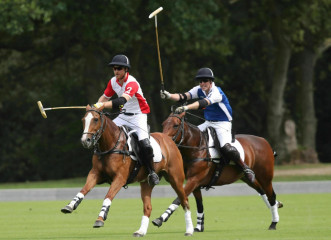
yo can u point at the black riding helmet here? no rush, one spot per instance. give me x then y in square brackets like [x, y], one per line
[205, 73]
[120, 60]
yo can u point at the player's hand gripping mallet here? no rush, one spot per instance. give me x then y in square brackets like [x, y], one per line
[42, 109]
[157, 42]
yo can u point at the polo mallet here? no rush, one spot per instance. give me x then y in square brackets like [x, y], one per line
[157, 42]
[42, 109]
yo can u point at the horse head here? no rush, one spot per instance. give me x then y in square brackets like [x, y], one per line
[173, 126]
[93, 125]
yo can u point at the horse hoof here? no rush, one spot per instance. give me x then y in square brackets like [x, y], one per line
[137, 234]
[67, 209]
[188, 234]
[280, 204]
[198, 230]
[157, 222]
[98, 223]
[272, 226]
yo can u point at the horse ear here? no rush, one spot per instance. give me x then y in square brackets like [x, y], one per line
[88, 107]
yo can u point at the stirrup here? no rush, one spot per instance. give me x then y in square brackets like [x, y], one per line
[153, 179]
[249, 174]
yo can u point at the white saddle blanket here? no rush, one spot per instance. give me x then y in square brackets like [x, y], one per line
[156, 147]
[215, 154]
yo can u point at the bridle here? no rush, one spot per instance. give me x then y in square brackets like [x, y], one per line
[181, 130]
[96, 136]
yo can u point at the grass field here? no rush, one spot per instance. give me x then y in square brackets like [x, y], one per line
[304, 216]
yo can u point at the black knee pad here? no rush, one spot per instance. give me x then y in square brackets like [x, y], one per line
[230, 152]
[146, 147]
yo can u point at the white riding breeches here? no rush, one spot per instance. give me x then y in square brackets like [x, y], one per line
[223, 130]
[137, 122]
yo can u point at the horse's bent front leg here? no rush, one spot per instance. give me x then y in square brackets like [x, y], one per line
[115, 187]
[146, 192]
[91, 181]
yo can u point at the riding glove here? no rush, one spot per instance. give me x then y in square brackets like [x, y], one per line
[164, 94]
[98, 104]
[181, 109]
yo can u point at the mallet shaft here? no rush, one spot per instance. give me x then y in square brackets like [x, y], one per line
[53, 108]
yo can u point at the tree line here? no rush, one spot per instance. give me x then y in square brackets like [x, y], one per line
[271, 58]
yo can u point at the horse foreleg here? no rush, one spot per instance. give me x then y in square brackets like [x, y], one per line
[91, 181]
[165, 216]
[115, 187]
[200, 214]
[146, 192]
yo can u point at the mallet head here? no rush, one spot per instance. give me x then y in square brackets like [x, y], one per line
[41, 108]
[155, 12]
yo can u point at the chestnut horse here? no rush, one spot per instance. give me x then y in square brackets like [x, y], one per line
[112, 162]
[200, 169]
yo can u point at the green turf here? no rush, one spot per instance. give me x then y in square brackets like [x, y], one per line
[304, 216]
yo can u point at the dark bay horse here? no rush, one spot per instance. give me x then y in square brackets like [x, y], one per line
[112, 163]
[200, 170]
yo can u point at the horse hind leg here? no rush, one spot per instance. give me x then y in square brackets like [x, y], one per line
[177, 185]
[146, 192]
[269, 198]
[274, 205]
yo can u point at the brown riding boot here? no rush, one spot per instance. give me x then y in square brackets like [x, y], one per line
[231, 153]
[147, 157]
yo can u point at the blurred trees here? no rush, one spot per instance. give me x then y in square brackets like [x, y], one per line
[270, 57]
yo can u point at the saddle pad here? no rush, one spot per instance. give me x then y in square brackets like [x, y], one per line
[156, 148]
[215, 154]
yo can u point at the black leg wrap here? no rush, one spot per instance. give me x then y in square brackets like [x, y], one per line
[176, 201]
[105, 209]
[170, 212]
[201, 222]
[78, 201]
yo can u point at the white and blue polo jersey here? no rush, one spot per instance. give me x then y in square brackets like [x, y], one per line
[219, 109]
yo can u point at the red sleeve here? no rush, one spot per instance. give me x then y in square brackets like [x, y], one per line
[109, 92]
[131, 88]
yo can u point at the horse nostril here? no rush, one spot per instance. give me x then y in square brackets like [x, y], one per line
[88, 140]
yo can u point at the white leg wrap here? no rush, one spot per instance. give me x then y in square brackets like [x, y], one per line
[75, 199]
[274, 212]
[188, 221]
[144, 226]
[105, 206]
[169, 211]
[265, 200]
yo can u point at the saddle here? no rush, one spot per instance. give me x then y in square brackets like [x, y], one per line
[215, 156]
[136, 153]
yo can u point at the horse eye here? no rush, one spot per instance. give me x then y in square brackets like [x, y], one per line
[95, 119]
[176, 126]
